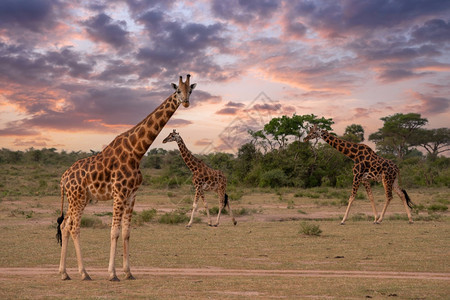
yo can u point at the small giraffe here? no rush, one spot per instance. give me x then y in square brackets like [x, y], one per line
[113, 174]
[204, 179]
[368, 166]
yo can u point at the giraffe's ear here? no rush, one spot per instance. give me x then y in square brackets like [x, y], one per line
[174, 86]
[193, 86]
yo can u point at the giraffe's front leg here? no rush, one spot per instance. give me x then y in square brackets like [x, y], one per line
[356, 182]
[198, 192]
[372, 202]
[115, 231]
[126, 230]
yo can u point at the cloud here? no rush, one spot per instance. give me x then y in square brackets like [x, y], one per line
[429, 104]
[15, 128]
[435, 31]
[231, 108]
[234, 104]
[228, 111]
[32, 15]
[203, 142]
[392, 75]
[104, 29]
[176, 46]
[341, 18]
[179, 122]
[245, 12]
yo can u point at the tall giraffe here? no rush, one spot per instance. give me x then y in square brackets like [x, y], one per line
[204, 179]
[113, 174]
[368, 166]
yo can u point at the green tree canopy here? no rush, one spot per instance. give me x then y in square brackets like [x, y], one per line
[434, 141]
[398, 133]
[354, 133]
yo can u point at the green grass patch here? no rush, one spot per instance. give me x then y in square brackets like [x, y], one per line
[310, 229]
[174, 217]
[91, 222]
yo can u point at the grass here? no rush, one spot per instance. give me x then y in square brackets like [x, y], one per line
[256, 243]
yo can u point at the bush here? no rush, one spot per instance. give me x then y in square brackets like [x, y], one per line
[174, 217]
[273, 178]
[310, 229]
[144, 216]
[91, 222]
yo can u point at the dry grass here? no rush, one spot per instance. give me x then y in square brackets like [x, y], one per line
[268, 239]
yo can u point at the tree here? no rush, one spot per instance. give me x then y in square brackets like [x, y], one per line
[278, 130]
[434, 141]
[354, 133]
[397, 134]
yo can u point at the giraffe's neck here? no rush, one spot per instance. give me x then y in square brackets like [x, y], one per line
[138, 139]
[193, 163]
[342, 146]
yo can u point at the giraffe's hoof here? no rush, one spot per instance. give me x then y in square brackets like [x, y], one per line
[342, 223]
[129, 277]
[411, 222]
[215, 225]
[114, 278]
[235, 223]
[188, 226]
[65, 276]
[376, 223]
[86, 277]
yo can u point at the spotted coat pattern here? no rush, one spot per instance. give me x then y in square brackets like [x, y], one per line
[113, 174]
[204, 179]
[368, 166]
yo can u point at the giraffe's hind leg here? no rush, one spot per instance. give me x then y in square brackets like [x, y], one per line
[388, 191]
[222, 204]
[372, 202]
[65, 233]
[231, 211]
[402, 196]
[75, 233]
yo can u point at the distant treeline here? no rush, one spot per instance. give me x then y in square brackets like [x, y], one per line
[276, 156]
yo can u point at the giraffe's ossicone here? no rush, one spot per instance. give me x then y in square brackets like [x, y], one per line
[113, 174]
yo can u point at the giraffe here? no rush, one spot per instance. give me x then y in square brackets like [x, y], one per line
[368, 166]
[204, 179]
[113, 174]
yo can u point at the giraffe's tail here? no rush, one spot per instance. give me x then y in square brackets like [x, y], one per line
[408, 200]
[61, 218]
[225, 202]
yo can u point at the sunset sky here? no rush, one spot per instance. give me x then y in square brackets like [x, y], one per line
[75, 74]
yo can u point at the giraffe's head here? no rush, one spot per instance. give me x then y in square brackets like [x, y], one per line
[183, 90]
[314, 132]
[174, 136]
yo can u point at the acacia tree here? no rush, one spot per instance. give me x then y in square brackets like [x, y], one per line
[434, 141]
[398, 133]
[277, 132]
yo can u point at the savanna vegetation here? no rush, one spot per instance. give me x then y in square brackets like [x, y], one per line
[275, 157]
[288, 198]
